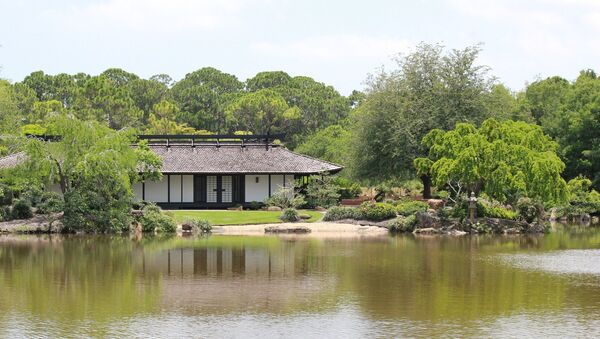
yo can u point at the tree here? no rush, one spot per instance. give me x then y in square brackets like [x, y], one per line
[94, 167]
[429, 89]
[202, 97]
[9, 110]
[330, 143]
[261, 112]
[506, 160]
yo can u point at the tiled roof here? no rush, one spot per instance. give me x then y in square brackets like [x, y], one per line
[228, 158]
[11, 161]
[237, 159]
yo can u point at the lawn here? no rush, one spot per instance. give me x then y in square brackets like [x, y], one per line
[225, 217]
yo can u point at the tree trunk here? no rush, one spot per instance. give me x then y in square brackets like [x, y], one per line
[426, 186]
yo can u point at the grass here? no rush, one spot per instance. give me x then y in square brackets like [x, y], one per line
[225, 217]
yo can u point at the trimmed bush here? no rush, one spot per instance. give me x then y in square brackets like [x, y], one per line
[378, 211]
[411, 207]
[154, 220]
[338, 213]
[403, 224]
[529, 210]
[21, 210]
[289, 215]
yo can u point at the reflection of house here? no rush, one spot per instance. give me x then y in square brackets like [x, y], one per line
[218, 261]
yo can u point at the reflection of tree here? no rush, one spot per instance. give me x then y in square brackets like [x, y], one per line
[452, 278]
[73, 279]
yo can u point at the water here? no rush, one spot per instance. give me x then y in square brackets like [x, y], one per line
[230, 286]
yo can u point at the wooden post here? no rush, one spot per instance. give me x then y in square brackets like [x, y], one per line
[269, 185]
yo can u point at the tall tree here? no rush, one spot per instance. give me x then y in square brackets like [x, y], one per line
[202, 97]
[429, 89]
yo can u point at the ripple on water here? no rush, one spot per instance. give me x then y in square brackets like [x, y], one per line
[558, 262]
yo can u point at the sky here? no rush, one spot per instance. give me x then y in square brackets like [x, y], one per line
[338, 42]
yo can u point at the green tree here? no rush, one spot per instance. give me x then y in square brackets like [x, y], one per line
[330, 143]
[429, 89]
[94, 167]
[202, 97]
[262, 112]
[506, 160]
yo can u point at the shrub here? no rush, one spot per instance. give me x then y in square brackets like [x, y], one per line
[339, 213]
[154, 220]
[6, 194]
[201, 226]
[346, 188]
[254, 205]
[50, 202]
[21, 210]
[403, 224]
[529, 209]
[33, 195]
[5, 213]
[289, 215]
[493, 209]
[321, 191]
[411, 207]
[444, 214]
[285, 198]
[378, 211]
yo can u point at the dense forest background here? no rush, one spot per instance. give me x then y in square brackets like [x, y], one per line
[376, 133]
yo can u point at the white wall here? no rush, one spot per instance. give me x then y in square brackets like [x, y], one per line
[156, 191]
[136, 187]
[188, 188]
[276, 183]
[256, 191]
[175, 188]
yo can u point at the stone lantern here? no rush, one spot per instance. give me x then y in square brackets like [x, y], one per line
[472, 208]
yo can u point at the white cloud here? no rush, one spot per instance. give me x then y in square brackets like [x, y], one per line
[156, 15]
[335, 47]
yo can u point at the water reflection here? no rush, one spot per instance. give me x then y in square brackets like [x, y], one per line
[301, 286]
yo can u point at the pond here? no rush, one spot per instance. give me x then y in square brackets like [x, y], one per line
[302, 286]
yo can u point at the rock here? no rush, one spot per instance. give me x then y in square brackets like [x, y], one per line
[513, 230]
[287, 229]
[435, 204]
[428, 220]
[273, 208]
[456, 232]
[187, 227]
[320, 209]
[428, 230]
[304, 216]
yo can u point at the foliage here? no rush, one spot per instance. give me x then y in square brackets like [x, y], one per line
[582, 198]
[153, 219]
[338, 213]
[378, 211]
[493, 209]
[529, 210]
[50, 202]
[289, 215]
[411, 207]
[21, 209]
[506, 160]
[430, 88]
[330, 144]
[201, 226]
[6, 194]
[322, 191]
[347, 189]
[403, 224]
[254, 205]
[285, 197]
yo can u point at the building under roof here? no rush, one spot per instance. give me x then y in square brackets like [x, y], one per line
[218, 171]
